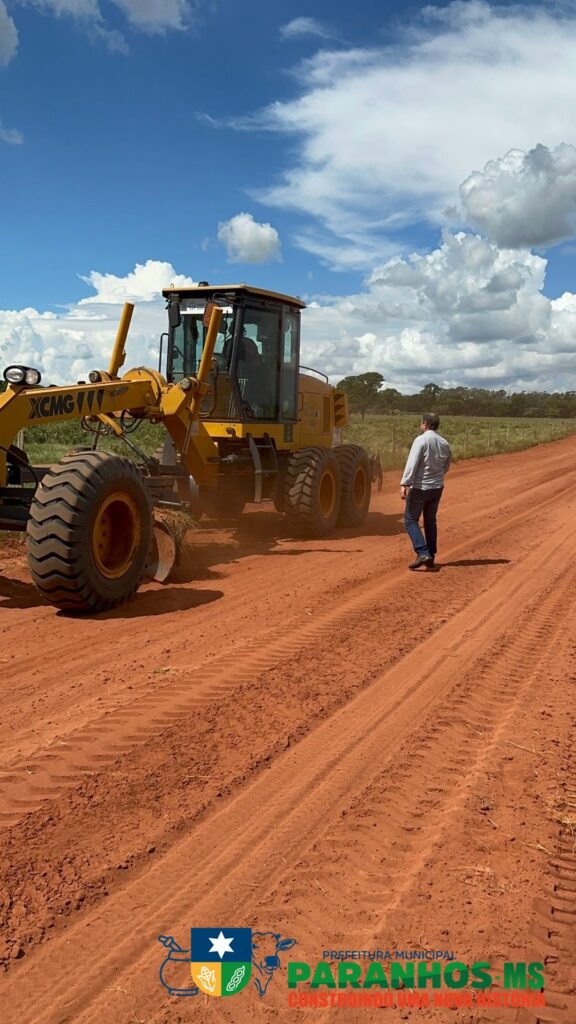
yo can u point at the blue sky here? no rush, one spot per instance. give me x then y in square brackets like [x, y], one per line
[117, 164]
[409, 170]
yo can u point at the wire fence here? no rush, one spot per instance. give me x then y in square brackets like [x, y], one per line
[469, 437]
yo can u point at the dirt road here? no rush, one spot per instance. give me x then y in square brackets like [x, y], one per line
[304, 738]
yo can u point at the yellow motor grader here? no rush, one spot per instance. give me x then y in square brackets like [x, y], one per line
[244, 422]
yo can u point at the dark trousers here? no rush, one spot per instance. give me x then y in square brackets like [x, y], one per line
[419, 502]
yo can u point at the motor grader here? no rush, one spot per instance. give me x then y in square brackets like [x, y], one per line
[244, 423]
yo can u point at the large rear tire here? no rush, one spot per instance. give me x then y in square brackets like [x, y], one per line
[312, 491]
[356, 484]
[89, 533]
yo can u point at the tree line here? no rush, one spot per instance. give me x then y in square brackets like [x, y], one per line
[367, 394]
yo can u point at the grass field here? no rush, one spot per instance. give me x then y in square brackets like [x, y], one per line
[46, 444]
[391, 436]
[469, 436]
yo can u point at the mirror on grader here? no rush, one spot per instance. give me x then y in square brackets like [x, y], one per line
[243, 424]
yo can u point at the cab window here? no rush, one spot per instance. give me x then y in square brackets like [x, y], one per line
[258, 363]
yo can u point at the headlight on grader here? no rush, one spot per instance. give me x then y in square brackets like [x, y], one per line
[22, 375]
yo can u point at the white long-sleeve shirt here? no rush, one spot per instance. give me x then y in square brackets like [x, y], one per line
[428, 461]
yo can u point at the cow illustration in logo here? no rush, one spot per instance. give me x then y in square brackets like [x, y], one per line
[265, 960]
[221, 961]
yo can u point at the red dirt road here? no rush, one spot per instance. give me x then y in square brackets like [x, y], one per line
[300, 737]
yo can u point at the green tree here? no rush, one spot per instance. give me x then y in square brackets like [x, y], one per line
[362, 390]
[387, 400]
[431, 391]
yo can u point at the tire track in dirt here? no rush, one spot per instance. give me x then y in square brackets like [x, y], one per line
[66, 650]
[28, 784]
[325, 770]
[554, 927]
[64, 708]
[427, 790]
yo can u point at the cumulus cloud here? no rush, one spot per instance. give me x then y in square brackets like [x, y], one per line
[467, 313]
[67, 345]
[8, 36]
[143, 284]
[383, 137]
[304, 27]
[247, 241]
[524, 199]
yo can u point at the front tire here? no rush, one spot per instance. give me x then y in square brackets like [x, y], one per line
[90, 531]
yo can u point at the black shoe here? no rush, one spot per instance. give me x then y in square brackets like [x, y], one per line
[421, 560]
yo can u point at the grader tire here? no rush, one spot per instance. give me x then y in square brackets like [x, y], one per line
[89, 533]
[356, 484]
[312, 491]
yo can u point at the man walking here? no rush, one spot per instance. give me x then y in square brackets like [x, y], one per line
[421, 487]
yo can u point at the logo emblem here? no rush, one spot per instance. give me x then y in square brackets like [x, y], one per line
[221, 959]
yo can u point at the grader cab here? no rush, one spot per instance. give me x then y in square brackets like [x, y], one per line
[244, 423]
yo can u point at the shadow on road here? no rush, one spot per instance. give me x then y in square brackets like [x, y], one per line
[473, 561]
[218, 543]
[18, 594]
[377, 524]
[213, 545]
[164, 601]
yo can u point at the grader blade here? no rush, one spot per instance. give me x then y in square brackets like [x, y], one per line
[164, 552]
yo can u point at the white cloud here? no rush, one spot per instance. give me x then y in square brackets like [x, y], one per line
[150, 16]
[304, 27]
[157, 16]
[383, 137]
[10, 135]
[467, 313]
[8, 36]
[66, 346]
[247, 241]
[66, 8]
[524, 199]
[143, 284]
[87, 14]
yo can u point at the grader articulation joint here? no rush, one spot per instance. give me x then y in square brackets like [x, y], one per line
[242, 423]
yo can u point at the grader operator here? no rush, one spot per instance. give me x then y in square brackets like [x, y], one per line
[243, 425]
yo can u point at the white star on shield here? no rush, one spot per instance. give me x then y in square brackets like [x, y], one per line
[221, 944]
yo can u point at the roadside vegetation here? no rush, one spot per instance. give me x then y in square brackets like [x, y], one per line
[367, 393]
[469, 436]
[390, 436]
